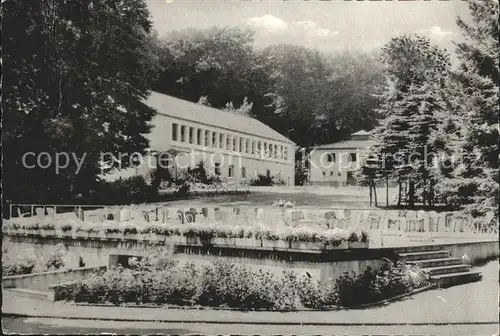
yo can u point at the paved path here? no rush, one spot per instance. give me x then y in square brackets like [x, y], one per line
[64, 326]
[471, 303]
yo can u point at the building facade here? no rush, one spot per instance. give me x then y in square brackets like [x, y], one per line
[334, 164]
[236, 147]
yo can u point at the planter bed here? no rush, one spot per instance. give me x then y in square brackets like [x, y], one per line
[170, 306]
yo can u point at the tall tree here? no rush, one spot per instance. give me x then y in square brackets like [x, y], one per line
[76, 86]
[416, 74]
[475, 178]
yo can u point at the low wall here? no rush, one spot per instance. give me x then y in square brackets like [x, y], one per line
[319, 264]
[43, 281]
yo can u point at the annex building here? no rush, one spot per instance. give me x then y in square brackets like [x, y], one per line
[334, 164]
[234, 146]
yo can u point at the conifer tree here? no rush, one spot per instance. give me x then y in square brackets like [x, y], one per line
[475, 179]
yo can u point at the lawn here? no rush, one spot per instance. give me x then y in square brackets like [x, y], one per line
[318, 197]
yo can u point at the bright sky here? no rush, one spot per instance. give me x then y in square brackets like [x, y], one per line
[324, 25]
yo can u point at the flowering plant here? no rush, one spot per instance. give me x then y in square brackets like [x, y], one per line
[283, 204]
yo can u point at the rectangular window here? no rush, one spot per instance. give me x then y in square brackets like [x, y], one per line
[281, 152]
[228, 142]
[207, 137]
[285, 153]
[191, 134]
[331, 173]
[276, 152]
[230, 172]
[234, 143]
[217, 168]
[198, 137]
[240, 149]
[183, 133]
[339, 174]
[243, 172]
[324, 173]
[253, 147]
[214, 139]
[247, 147]
[175, 136]
[221, 141]
[353, 157]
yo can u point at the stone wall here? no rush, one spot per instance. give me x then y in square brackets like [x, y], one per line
[42, 281]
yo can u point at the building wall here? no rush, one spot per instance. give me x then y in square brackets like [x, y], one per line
[237, 155]
[334, 170]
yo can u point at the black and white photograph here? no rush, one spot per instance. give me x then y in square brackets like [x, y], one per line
[250, 167]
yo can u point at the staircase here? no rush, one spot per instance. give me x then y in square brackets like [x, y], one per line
[441, 267]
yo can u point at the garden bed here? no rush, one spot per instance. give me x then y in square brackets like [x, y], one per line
[223, 285]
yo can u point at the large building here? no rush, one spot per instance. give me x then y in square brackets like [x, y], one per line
[233, 146]
[334, 164]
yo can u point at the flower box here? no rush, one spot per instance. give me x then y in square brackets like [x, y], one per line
[175, 240]
[114, 236]
[306, 245]
[80, 235]
[48, 232]
[342, 246]
[358, 245]
[155, 238]
[275, 243]
[133, 236]
[193, 240]
[250, 242]
[94, 235]
[223, 241]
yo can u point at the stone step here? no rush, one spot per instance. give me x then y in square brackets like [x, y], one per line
[31, 293]
[414, 249]
[447, 269]
[452, 279]
[436, 262]
[414, 256]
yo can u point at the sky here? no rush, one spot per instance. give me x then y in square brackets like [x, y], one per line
[328, 26]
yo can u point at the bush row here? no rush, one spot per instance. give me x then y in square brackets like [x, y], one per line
[223, 284]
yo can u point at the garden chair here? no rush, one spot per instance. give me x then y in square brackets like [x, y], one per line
[22, 215]
[51, 212]
[422, 220]
[330, 219]
[412, 221]
[374, 221]
[433, 221]
[40, 212]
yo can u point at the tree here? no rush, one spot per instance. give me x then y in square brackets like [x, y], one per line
[474, 181]
[416, 74]
[245, 109]
[76, 86]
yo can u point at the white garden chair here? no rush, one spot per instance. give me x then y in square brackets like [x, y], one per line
[40, 212]
[51, 212]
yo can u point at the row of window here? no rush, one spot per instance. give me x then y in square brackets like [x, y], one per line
[200, 137]
[332, 173]
[231, 171]
[331, 157]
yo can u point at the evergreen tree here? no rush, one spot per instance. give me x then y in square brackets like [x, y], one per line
[416, 73]
[475, 178]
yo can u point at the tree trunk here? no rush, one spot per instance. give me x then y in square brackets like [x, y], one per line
[371, 192]
[387, 191]
[411, 194]
[400, 187]
[375, 193]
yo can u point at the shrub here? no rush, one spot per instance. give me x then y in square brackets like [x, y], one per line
[24, 267]
[55, 262]
[262, 181]
[126, 191]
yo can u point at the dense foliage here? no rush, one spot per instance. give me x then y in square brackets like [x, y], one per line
[76, 86]
[223, 284]
[439, 136]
